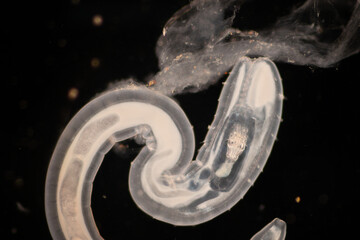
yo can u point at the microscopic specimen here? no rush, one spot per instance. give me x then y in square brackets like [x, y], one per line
[198, 44]
[164, 180]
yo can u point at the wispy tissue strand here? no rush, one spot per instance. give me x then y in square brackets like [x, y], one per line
[201, 42]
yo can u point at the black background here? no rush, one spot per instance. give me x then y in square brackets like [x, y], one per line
[48, 50]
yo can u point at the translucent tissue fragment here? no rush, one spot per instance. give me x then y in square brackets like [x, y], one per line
[206, 37]
[164, 181]
[275, 230]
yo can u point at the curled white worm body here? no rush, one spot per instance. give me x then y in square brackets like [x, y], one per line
[164, 181]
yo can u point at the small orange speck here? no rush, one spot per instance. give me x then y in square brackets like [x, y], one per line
[151, 82]
[120, 148]
[178, 57]
[73, 93]
[297, 199]
[95, 62]
[97, 20]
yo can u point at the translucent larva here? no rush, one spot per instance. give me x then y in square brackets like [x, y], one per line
[164, 180]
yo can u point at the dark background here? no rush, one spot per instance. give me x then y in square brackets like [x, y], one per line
[51, 48]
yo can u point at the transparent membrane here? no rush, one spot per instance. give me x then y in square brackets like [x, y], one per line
[164, 181]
